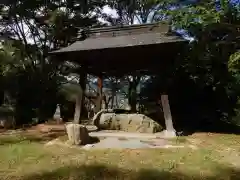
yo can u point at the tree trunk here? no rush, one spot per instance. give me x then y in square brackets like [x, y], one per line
[132, 94]
[113, 92]
[112, 100]
[133, 99]
[116, 101]
[99, 91]
[103, 103]
[79, 107]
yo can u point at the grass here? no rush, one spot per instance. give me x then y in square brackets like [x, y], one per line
[26, 158]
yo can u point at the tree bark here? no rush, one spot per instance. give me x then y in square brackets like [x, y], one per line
[79, 107]
[103, 102]
[133, 99]
[99, 92]
[112, 100]
[132, 93]
[116, 101]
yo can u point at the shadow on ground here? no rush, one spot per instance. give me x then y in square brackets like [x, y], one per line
[220, 127]
[101, 172]
[24, 137]
[38, 138]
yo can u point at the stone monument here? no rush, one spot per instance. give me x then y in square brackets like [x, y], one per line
[57, 114]
[140, 123]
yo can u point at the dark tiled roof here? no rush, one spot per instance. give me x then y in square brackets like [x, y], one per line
[120, 41]
[125, 36]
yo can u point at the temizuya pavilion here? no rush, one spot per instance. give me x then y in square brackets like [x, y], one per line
[125, 50]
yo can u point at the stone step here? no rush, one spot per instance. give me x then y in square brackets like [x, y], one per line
[163, 134]
[123, 134]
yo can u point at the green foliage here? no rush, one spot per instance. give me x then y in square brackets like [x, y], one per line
[234, 62]
[35, 28]
[128, 11]
[194, 17]
[204, 84]
[11, 58]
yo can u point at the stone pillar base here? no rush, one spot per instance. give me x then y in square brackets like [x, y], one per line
[77, 134]
[169, 133]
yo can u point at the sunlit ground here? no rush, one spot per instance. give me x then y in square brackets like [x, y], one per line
[217, 157]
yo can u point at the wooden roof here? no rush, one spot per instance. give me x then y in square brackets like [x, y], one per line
[123, 49]
[125, 36]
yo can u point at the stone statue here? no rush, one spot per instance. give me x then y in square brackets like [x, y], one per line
[57, 114]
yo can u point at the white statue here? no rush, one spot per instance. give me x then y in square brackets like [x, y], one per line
[57, 114]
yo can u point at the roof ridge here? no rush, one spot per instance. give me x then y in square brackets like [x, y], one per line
[123, 27]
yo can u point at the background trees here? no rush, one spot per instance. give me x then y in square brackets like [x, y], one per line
[204, 87]
[37, 28]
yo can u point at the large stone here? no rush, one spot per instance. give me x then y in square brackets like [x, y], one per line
[126, 122]
[77, 134]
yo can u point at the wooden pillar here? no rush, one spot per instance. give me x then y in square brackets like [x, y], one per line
[79, 107]
[99, 93]
[170, 131]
